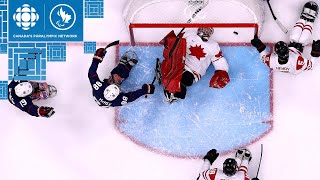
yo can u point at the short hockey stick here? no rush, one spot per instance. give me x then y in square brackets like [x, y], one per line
[111, 44]
[283, 29]
[155, 75]
[256, 178]
[189, 21]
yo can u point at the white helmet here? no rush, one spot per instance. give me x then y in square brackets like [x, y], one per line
[111, 92]
[205, 33]
[23, 89]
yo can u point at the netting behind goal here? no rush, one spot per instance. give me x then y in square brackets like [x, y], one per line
[235, 17]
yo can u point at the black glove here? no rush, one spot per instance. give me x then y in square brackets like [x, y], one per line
[257, 43]
[255, 178]
[211, 155]
[148, 88]
[99, 54]
[46, 111]
[315, 52]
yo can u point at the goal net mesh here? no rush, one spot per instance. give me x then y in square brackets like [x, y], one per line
[231, 15]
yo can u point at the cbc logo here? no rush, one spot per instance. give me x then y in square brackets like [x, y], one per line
[26, 17]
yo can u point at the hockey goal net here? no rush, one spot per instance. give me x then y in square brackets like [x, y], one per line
[233, 20]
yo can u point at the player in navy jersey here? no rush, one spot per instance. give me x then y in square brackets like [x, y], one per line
[107, 92]
[22, 94]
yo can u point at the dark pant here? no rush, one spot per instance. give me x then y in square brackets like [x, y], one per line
[186, 80]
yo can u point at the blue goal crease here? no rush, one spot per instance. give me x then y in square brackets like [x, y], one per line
[207, 118]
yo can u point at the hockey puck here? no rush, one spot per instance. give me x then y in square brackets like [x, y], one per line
[235, 32]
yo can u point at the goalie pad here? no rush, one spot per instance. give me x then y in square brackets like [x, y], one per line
[173, 67]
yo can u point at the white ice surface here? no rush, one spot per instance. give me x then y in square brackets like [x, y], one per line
[80, 142]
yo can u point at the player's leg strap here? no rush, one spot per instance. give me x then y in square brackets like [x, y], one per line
[296, 45]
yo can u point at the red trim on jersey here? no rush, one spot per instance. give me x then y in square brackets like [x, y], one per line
[204, 174]
[219, 55]
[93, 75]
[244, 169]
[267, 60]
[213, 174]
[300, 63]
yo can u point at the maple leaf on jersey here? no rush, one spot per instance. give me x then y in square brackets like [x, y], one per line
[197, 51]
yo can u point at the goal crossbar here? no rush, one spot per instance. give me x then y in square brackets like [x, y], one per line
[189, 25]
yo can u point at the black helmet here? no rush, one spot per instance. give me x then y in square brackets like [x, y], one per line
[230, 167]
[281, 48]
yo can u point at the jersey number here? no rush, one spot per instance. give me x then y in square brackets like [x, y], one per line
[124, 100]
[97, 85]
[23, 102]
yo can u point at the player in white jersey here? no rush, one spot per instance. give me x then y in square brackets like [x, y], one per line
[289, 58]
[233, 168]
[199, 51]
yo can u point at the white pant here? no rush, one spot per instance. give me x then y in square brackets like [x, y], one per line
[301, 32]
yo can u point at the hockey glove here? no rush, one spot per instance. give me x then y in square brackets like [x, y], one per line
[211, 155]
[148, 88]
[315, 52]
[258, 44]
[99, 54]
[46, 111]
[220, 79]
[243, 154]
[255, 178]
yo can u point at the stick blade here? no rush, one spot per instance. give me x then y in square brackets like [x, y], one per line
[283, 29]
[112, 44]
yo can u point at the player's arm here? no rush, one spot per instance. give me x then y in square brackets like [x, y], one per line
[27, 106]
[261, 47]
[125, 98]
[218, 60]
[97, 58]
[315, 55]
[208, 159]
[221, 77]
[24, 104]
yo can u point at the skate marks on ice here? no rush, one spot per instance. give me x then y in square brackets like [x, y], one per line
[226, 119]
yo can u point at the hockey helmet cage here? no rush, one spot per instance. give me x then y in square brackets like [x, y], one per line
[129, 58]
[111, 92]
[205, 33]
[23, 89]
[230, 167]
[52, 91]
[282, 50]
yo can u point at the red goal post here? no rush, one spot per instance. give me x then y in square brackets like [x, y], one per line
[230, 15]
